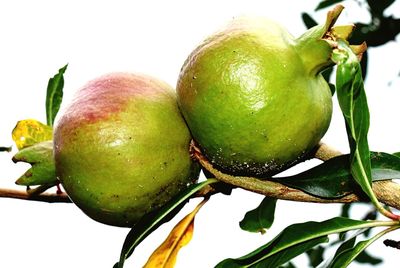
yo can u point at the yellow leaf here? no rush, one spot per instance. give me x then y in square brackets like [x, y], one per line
[165, 255]
[29, 132]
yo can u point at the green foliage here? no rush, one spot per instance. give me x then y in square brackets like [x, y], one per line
[294, 240]
[260, 218]
[315, 255]
[327, 3]
[152, 221]
[365, 257]
[54, 95]
[333, 179]
[349, 251]
[353, 103]
[5, 149]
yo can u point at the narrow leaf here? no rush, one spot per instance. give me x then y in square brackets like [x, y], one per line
[54, 95]
[327, 3]
[152, 221]
[165, 255]
[365, 257]
[353, 103]
[333, 179]
[308, 20]
[260, 218]
[316, 255]
[347, 256]
[290, 253]
[292, 237]
[5, 149]
[347, 244]
[28, 132]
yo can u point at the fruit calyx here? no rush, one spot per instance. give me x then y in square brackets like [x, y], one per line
[315, 46]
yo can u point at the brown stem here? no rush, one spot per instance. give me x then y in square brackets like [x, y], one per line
[44, 197]
[324, 152]
[387, 192]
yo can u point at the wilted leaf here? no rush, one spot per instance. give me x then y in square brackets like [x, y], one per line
[43, 170]
[260, 218]
[332, 179]
[294, 240]
[165, 255]
[152, 221]
[54, 95]
[30, 131]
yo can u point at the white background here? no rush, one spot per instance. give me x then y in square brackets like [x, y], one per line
[152, 37]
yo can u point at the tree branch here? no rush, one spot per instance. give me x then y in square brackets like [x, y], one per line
[44, 197]
[387, 192]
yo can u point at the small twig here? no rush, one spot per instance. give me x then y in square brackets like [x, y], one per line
[392, 243]
[44, 197]
[387, 192]
[324, 152]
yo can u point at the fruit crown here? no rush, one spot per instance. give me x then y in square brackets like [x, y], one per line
[315, 46]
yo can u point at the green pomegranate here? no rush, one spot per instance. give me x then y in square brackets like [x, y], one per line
[121, 148]
[254, 97]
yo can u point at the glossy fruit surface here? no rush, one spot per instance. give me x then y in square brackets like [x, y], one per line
[253, 95]
[121, 148]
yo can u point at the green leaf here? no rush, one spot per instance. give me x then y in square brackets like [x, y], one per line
[5, 149]
[327, 3]
[260, 218]
[346, 245]
[288, 265]
[289, 241]
[377, 7]
[316, 255]
[348, 255]
[43, 171]
[346, 210]
[280, 258]
[365, 257]
[54, 95]
[332, 179]
[308, 20]
[152, 221]
[397, 154]
[353, 103]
